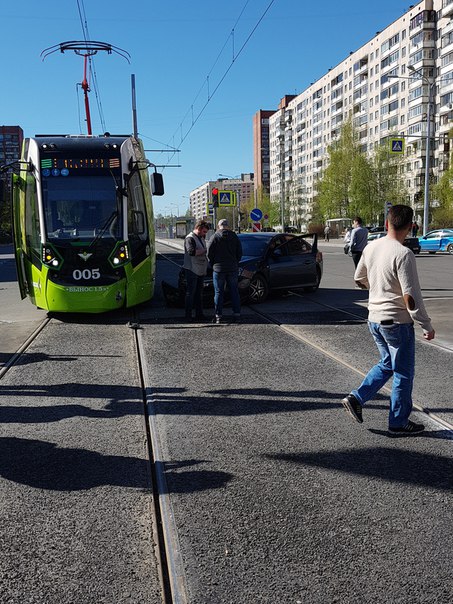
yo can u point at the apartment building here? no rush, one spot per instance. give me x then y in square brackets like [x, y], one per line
[261, 166]
[364, 86]
[11, 138]
[201, 196]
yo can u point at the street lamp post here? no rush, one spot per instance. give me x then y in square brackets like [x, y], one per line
[171, 225]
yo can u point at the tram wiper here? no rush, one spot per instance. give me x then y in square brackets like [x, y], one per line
[104, 227]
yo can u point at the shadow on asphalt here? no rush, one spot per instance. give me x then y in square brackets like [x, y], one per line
[442, 434]
[41, 357]
[126, 401]
[44, 465]
[391, 465]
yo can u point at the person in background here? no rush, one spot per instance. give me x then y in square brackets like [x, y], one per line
[388, 270]
[414, 229]
[347, 240]
[195, 267]
[224, 253]
[359, 239]
[326, 232]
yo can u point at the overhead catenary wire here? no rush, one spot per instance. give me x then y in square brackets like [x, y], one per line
[210, 95]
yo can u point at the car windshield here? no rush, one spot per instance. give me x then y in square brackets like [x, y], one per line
[254, 246]
[81, 206]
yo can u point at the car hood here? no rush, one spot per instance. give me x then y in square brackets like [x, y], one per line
[246, 259]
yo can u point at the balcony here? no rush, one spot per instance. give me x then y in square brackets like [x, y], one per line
[361, 66]
[447, 8]
[448, 28]
[423, 63]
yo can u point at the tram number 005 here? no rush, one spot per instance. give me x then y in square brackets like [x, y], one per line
[86, 274]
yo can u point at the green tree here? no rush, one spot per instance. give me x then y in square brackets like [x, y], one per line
[443, 192]
[389, 178]
[357, 184]
[333, 191]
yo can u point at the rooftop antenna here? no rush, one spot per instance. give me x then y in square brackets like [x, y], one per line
[86, 49]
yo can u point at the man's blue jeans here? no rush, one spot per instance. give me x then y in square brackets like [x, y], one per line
[231, 279]
[396, 345]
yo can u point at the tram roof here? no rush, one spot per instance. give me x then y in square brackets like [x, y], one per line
[69, 141]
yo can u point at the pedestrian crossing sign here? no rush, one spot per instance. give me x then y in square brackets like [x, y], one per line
[227, 198]
[397, 145]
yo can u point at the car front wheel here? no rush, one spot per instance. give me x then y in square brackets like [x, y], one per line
[258, 289]
[450, 248]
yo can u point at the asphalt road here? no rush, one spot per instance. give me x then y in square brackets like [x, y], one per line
[277, 496]
[18, 318]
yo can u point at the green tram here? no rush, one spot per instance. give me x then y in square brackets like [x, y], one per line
[83, 223]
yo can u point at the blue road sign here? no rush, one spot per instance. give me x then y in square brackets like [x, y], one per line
[397, 145]
[225, 198]
[256, 214]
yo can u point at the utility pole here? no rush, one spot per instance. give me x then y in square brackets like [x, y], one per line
[282, 168]
[134, 106]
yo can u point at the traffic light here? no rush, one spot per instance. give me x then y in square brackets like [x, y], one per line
[215, 198]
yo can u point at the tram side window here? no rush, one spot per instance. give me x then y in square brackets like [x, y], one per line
[32, 229]
[137, 224]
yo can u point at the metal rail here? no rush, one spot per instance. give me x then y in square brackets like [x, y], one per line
[16, 356]
[171, 571]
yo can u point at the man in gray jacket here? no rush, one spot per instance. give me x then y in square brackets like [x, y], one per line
[195, 267]
[224, 253]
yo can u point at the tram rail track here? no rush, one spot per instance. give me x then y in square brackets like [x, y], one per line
[171, 568]
[16, 356]
[293, 333]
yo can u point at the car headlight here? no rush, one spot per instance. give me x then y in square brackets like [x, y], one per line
[245, 273]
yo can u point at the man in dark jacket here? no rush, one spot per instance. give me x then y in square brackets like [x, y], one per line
[359, 240]
[224, 253]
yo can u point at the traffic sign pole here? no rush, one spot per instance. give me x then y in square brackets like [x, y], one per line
[388, 205]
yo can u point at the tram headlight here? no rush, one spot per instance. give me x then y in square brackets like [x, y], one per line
[50, 257]
[120, 255]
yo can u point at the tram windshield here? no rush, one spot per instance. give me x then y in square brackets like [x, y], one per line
[82, 205]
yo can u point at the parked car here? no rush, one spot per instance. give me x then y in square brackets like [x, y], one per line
[270, 262]
[439, 240]
[411, 242]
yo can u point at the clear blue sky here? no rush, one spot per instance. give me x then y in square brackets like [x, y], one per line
[174, 45]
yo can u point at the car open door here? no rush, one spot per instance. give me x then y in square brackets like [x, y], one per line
[293, 264]
[17, 185]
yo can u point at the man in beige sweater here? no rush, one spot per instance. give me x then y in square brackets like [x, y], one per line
[388, 270]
